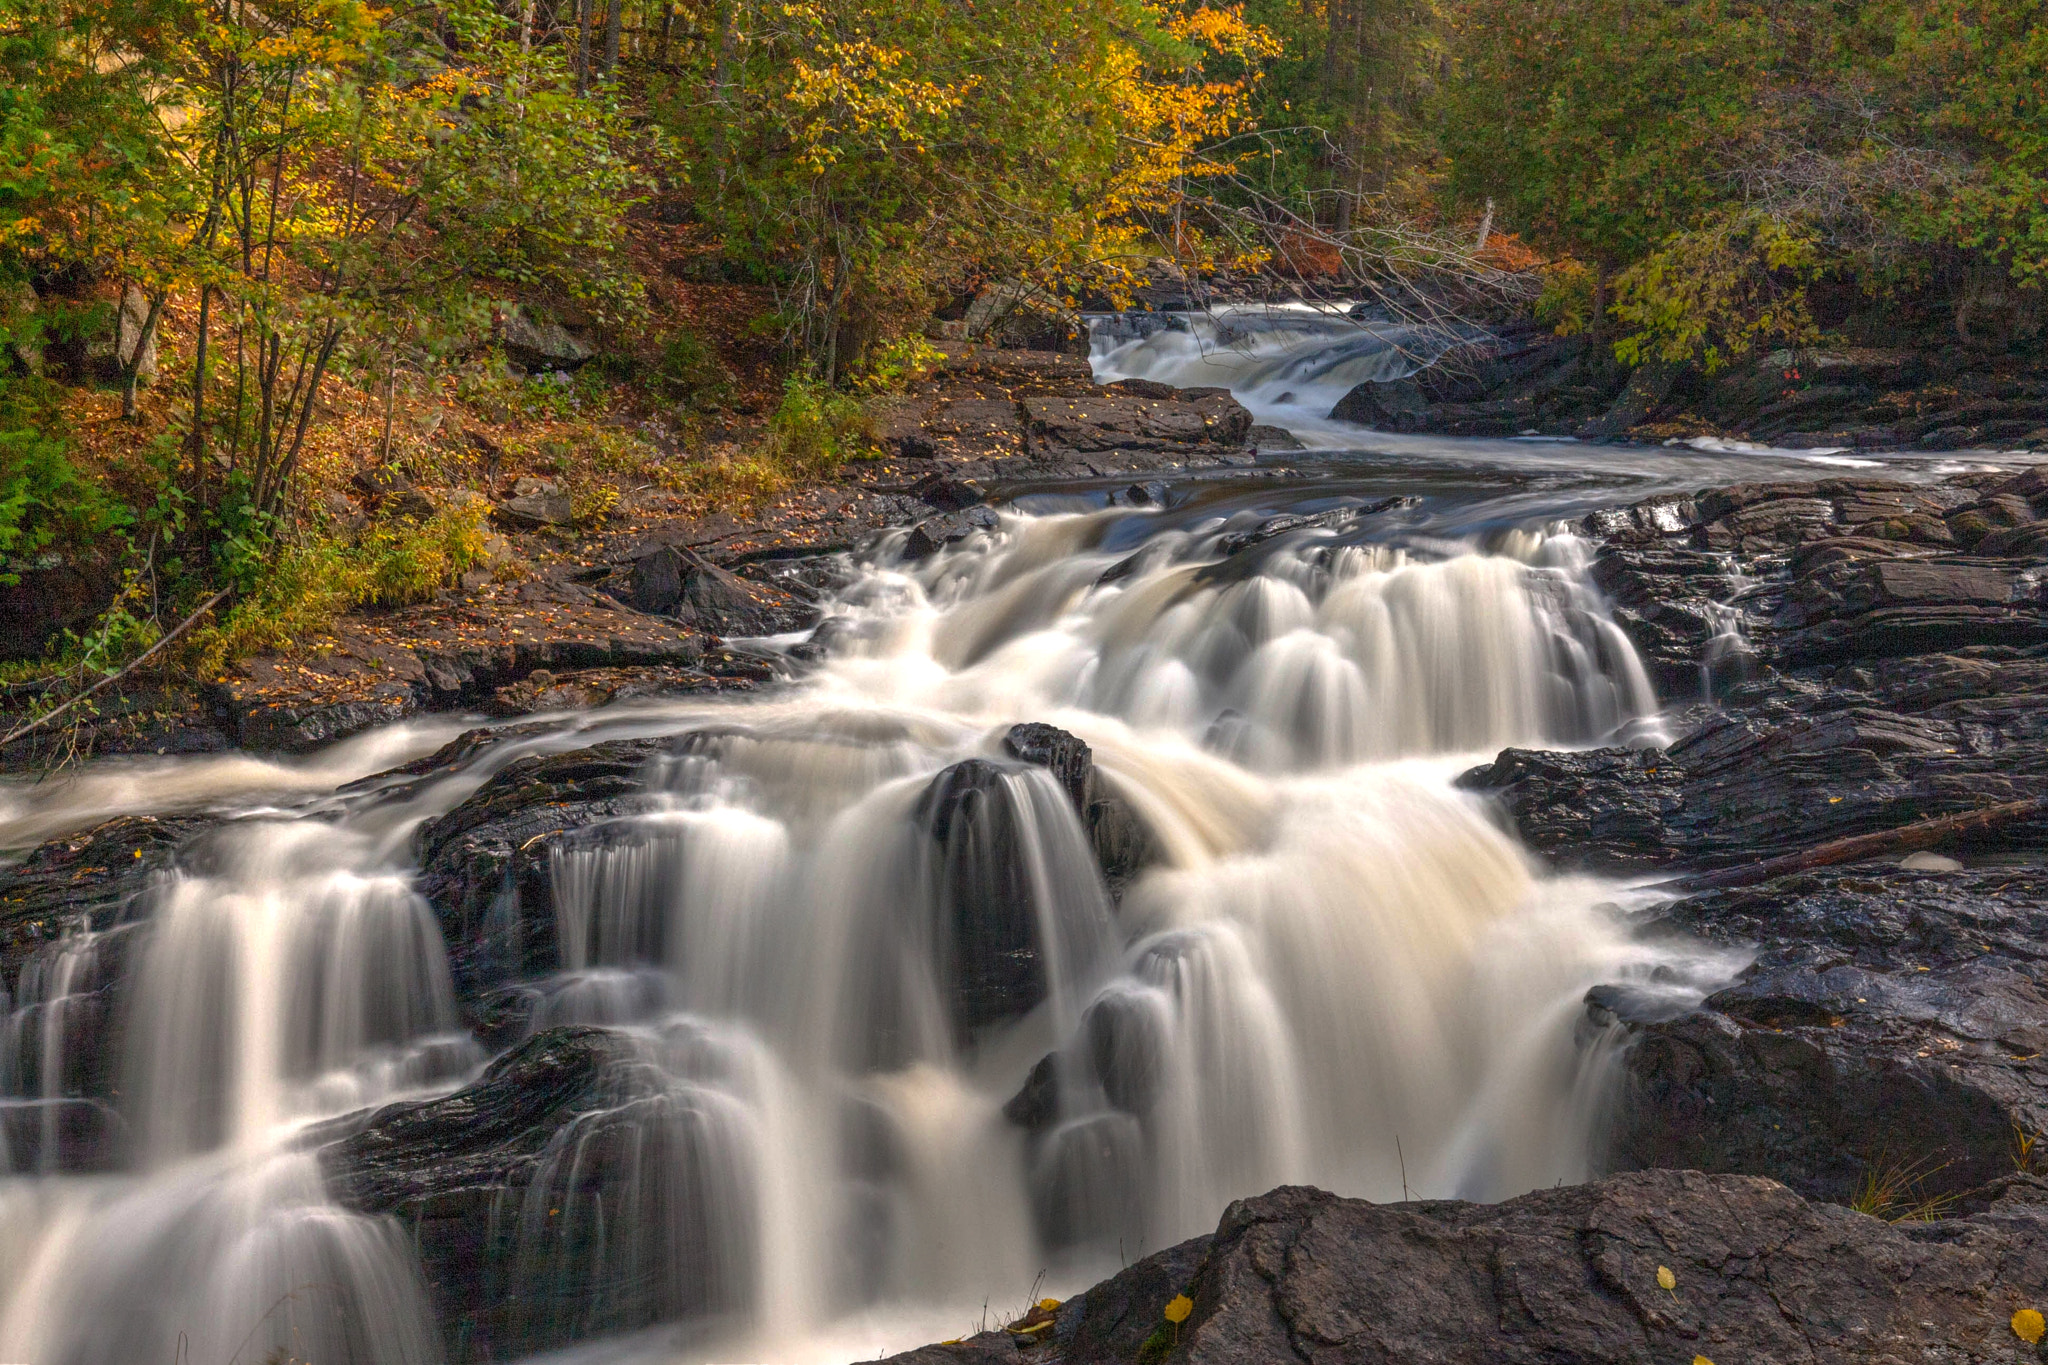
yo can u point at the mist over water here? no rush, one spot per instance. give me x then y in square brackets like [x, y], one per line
[1333, 967]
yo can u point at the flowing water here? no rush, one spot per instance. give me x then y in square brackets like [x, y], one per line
[1335, 967]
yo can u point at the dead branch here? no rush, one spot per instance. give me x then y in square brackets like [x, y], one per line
[28, 727]
[1922, 834]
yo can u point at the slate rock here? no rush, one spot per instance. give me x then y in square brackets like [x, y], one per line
[674, 581]
[1568, 1274]
[1893, 1023]
[486, 866]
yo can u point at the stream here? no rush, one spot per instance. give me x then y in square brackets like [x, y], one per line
[1324, 964]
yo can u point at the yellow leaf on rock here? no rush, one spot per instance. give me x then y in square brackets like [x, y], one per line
[1180, 1305]
[1665, 1279]
[1048, 1305]
[2027, 1325]
[1701, 1360]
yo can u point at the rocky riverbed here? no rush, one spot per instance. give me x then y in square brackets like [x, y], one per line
[1847, 657]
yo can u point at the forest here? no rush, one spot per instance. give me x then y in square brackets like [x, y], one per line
[250, 252]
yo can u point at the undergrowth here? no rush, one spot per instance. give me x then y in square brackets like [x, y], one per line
[314, 581]
[1895, 1190]
[813, 432]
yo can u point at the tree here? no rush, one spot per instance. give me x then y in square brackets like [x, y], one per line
[311, 171]
[872, 157]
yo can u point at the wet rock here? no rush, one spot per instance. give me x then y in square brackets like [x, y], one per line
[991, 958]
[1122, 843]
[1604, 809]
[1749, 784]
[676, 582]
[73, 914]
[94, 880]
[1266, 529]
[948, 495]
[1087, 1179]
[1126, 1048]
[1570, 1274]
[1390, 405]
[1187, 421]
[1893, 1027]
[934, 534]
[1873, 608]
[283, 727]
[487, 866]
[524, 1191]
[588, 688]
[1270, 438]
[1036, 1105]
[71, 1136]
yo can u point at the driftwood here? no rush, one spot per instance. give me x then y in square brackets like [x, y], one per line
[39, 722]
[1922, 834]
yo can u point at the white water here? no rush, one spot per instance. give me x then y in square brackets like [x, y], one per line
[1339, 969]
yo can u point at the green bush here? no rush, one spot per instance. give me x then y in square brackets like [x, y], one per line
[308, 585]
[46, 504]
[816, 429]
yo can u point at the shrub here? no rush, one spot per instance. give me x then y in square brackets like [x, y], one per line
[307, 585]
[46, 504]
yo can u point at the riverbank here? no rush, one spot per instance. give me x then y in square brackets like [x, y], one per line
[640, 604]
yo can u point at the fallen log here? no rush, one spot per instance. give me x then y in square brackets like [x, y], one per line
[1922, 834]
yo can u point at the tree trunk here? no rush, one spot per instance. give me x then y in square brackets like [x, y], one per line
[583, 46]
[614, 19]
[1596, 326]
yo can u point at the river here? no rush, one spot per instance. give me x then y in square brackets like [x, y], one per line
[1335, 968]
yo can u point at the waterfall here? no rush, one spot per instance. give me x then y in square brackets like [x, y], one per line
[905, 1016]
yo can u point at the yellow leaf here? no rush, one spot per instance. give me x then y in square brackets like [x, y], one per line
[1180, 1305]
[2027, 1325]
[1701, 1360]
[1665, 1279]
[1048, 1305]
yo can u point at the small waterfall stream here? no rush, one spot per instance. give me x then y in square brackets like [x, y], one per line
[905, 1027]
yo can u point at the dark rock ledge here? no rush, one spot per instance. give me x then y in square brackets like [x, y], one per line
[1566, 1275]
[1876, 656]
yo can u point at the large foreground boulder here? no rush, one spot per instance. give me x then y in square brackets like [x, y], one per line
[1642, 1269]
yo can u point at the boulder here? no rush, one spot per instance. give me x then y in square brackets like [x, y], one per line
[990, 959]
[54, 592]
[535, 503]
[536, 345]
[1637, 1269]
[1390, 405]
[1122, 844]
[934, 534]
[135, 337]
[672, 581]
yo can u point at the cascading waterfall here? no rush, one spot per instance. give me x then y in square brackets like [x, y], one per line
[891, 1040]
[1288, 363]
